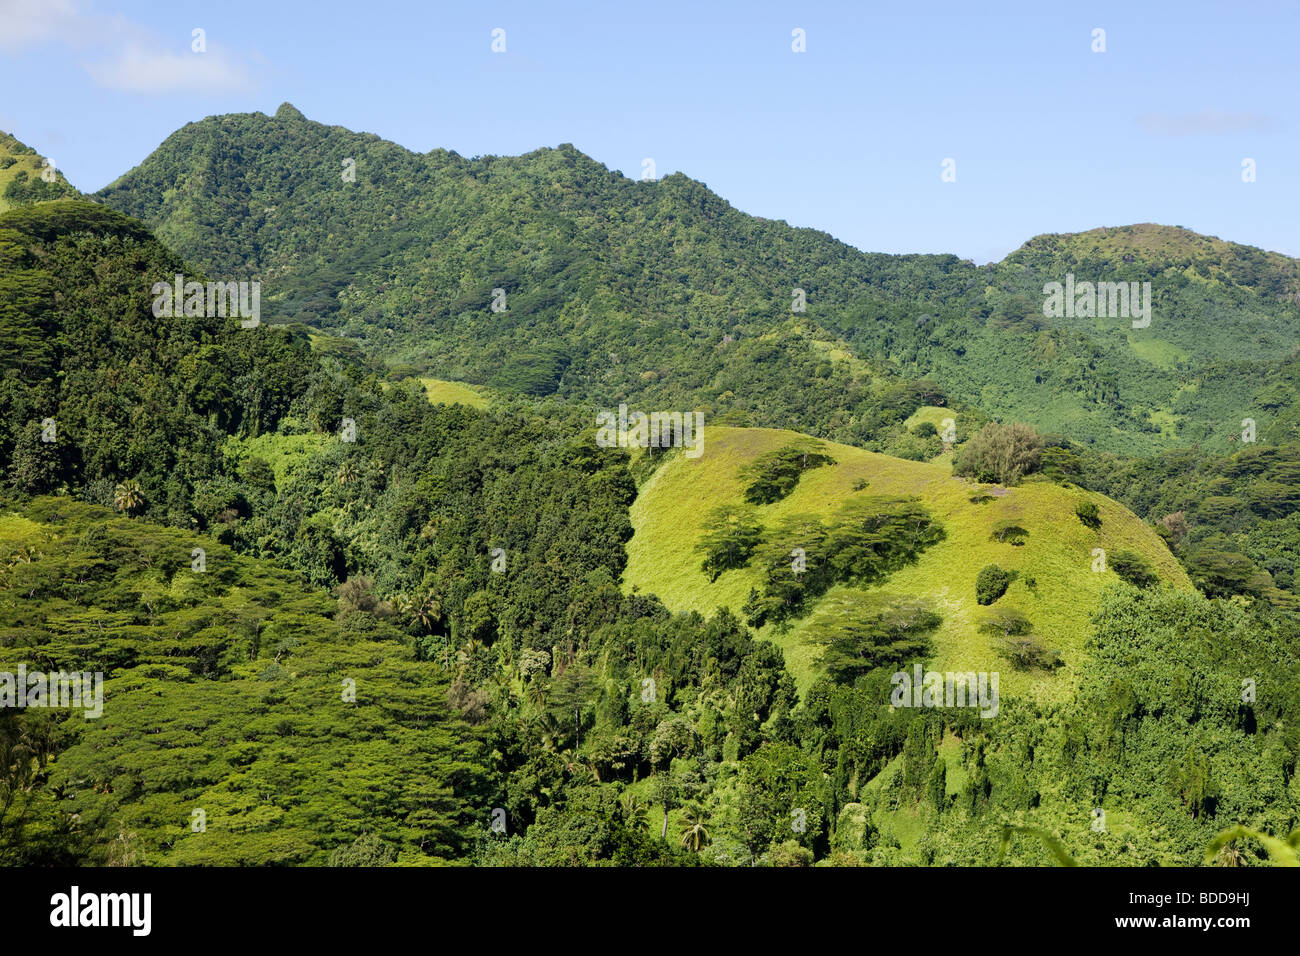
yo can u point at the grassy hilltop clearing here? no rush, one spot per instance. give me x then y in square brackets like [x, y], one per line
[21, 176]
[442, 392]
[670, 513]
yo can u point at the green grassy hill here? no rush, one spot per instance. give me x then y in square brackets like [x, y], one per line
[671, 509]
[442, 392]
[21, 182]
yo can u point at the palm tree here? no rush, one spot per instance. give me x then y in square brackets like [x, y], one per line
[579, 769]
[538, 695]
[1281, 851]
[128, 496]
[547, 731]
[424, 609]
[694, 832]
[465, 656]
[1229, 855]
[635, 814]
[348, 473]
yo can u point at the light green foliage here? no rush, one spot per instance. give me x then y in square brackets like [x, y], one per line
[26, 178]
[230, 691]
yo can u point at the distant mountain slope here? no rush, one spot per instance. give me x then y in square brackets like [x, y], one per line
[669, 518]
[1206, 258]
[1223, 319]
[614, 290]
[655, 292]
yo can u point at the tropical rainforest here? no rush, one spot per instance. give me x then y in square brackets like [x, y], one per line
[365, 589]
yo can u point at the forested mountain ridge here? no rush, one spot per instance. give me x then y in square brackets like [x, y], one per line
[655, 292]
[795, 374]
[600, 274]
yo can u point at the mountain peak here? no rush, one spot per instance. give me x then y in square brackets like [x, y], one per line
[1176, 248]
[1143, 240]
[288, 111]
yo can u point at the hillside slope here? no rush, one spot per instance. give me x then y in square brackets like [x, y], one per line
[127, 393]
[669, 516]
[23, 176]
[225, 699]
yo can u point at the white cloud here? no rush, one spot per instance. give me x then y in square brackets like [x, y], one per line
[1207, 121]
[120, 54]
[140, 70]
[32, 22]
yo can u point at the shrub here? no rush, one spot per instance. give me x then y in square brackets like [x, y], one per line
[991, 583]
[1133, 568]
[1008, 532]
[1007, 623]
[789, 854]
[773, 476]
[1173, 528]
[1026, 652]
[1087, 512]
[1001, 453]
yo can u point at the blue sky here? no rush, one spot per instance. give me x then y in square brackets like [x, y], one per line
[848, 137]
